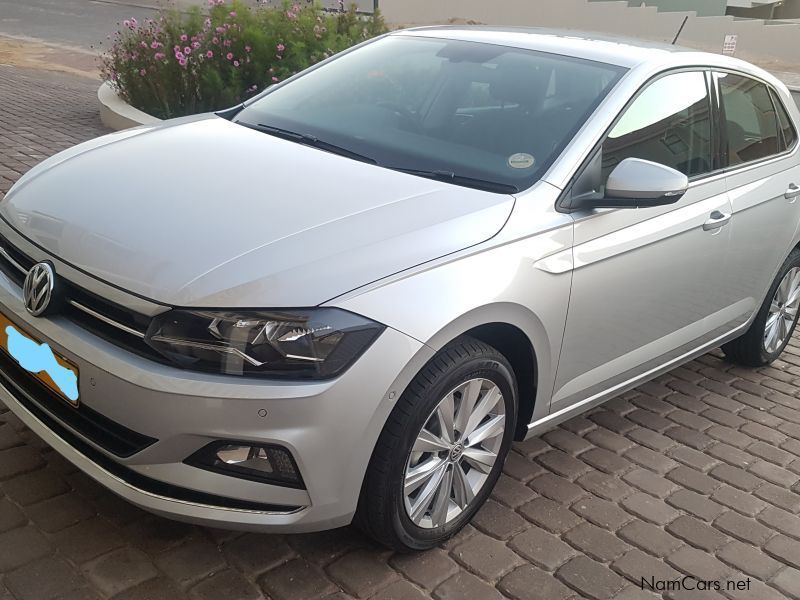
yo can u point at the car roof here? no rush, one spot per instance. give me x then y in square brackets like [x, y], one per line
[624, 52]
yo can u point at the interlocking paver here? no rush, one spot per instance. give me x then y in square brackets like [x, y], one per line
[499, 521]
[590, 578]
[362, 572]
[530, 583]
[709, 451]
[749, 560]
[541, 548]
[596, 542]
[426, 569]
[487, 557]
[297, 579]
[649, 538]
[697, 533]
[44, 579]
[122, 569]
[226, 584]
[695, 504]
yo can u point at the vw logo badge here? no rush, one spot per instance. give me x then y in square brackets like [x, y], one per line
[37, 290]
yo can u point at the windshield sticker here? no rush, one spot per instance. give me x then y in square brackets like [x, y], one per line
[521, 161]
[38, 357]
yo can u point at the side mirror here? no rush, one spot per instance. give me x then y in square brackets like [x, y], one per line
[637, 183]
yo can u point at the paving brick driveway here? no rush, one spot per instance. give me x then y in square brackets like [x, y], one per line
[696, 473]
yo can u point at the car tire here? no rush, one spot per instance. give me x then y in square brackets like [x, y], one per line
[775, 321]
[466, 373]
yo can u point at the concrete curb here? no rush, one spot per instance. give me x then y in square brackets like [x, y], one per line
[117, 114]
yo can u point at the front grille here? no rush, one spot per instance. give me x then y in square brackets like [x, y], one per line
[109, 435]
[35, 398]
[114, 323]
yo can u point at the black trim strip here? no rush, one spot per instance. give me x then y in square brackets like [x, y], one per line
[109, 435]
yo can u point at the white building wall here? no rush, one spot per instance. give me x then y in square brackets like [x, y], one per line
[773, 46]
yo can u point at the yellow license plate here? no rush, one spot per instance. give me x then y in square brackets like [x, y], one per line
[53, 370]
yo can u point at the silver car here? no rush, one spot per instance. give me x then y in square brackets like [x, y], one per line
[344, 299]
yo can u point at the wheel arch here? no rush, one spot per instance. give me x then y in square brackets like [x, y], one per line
[512, 343]
[522, 338]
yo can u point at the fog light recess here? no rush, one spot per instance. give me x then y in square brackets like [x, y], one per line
[266, 463]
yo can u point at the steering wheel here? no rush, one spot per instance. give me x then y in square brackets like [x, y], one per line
[401, 111]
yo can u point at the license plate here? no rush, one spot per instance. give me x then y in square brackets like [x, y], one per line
[51, 369]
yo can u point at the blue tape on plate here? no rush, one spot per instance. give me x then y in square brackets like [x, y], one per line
[39, 357]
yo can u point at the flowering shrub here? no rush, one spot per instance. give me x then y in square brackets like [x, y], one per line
[188, 62]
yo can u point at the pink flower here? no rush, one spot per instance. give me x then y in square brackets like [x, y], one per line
[179, 55]
[209, 54]
[195, 45]
[126, 23]
[187, 50]
[184, 37]
[281, 47]
[229, 56]
[215, 40]
[182, 62]
[134, 22]
[207, 23]
[236, 63]
[220, 30]
[232, 14]
[275, 79]
[142, 72]
[160, 56]
[247, 48]
[154, 45]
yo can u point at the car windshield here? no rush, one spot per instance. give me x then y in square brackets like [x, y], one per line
[479, 115]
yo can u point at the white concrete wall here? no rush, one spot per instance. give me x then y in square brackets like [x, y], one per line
[773, 46]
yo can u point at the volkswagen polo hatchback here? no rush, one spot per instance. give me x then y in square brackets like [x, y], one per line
[345, 298]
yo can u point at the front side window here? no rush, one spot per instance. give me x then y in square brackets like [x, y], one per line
[749, 119]
[475, 114]
[668, 123]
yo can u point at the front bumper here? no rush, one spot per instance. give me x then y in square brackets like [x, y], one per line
[329, 427]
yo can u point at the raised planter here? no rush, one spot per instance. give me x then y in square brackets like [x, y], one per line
[117, 114]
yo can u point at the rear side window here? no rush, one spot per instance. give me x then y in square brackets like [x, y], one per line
[785, 125]
[750, 120]
[668, 123]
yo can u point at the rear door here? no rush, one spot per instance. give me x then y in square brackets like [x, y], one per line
[763, 182]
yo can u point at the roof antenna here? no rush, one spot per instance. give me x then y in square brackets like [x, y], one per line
[680, 29]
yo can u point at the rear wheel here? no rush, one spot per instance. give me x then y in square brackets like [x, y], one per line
[775, 322]
[442, 448]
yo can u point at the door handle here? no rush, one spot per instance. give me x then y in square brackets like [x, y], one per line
[716, 220]
[792, 193]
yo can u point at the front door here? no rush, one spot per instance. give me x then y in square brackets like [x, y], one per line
[647, 282]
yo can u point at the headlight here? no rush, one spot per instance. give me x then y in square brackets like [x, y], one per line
[316, 343]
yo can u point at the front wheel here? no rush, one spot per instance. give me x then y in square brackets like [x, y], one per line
[775, 322]
[442, 448]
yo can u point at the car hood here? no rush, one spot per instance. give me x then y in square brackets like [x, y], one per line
[205, 212]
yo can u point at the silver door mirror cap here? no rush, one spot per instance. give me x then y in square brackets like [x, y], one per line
[637, 182]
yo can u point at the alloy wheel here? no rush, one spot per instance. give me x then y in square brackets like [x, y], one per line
[782, 311]
[454, 453]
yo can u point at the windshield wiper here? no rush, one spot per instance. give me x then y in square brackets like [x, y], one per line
[473, 182]
[309, 140]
